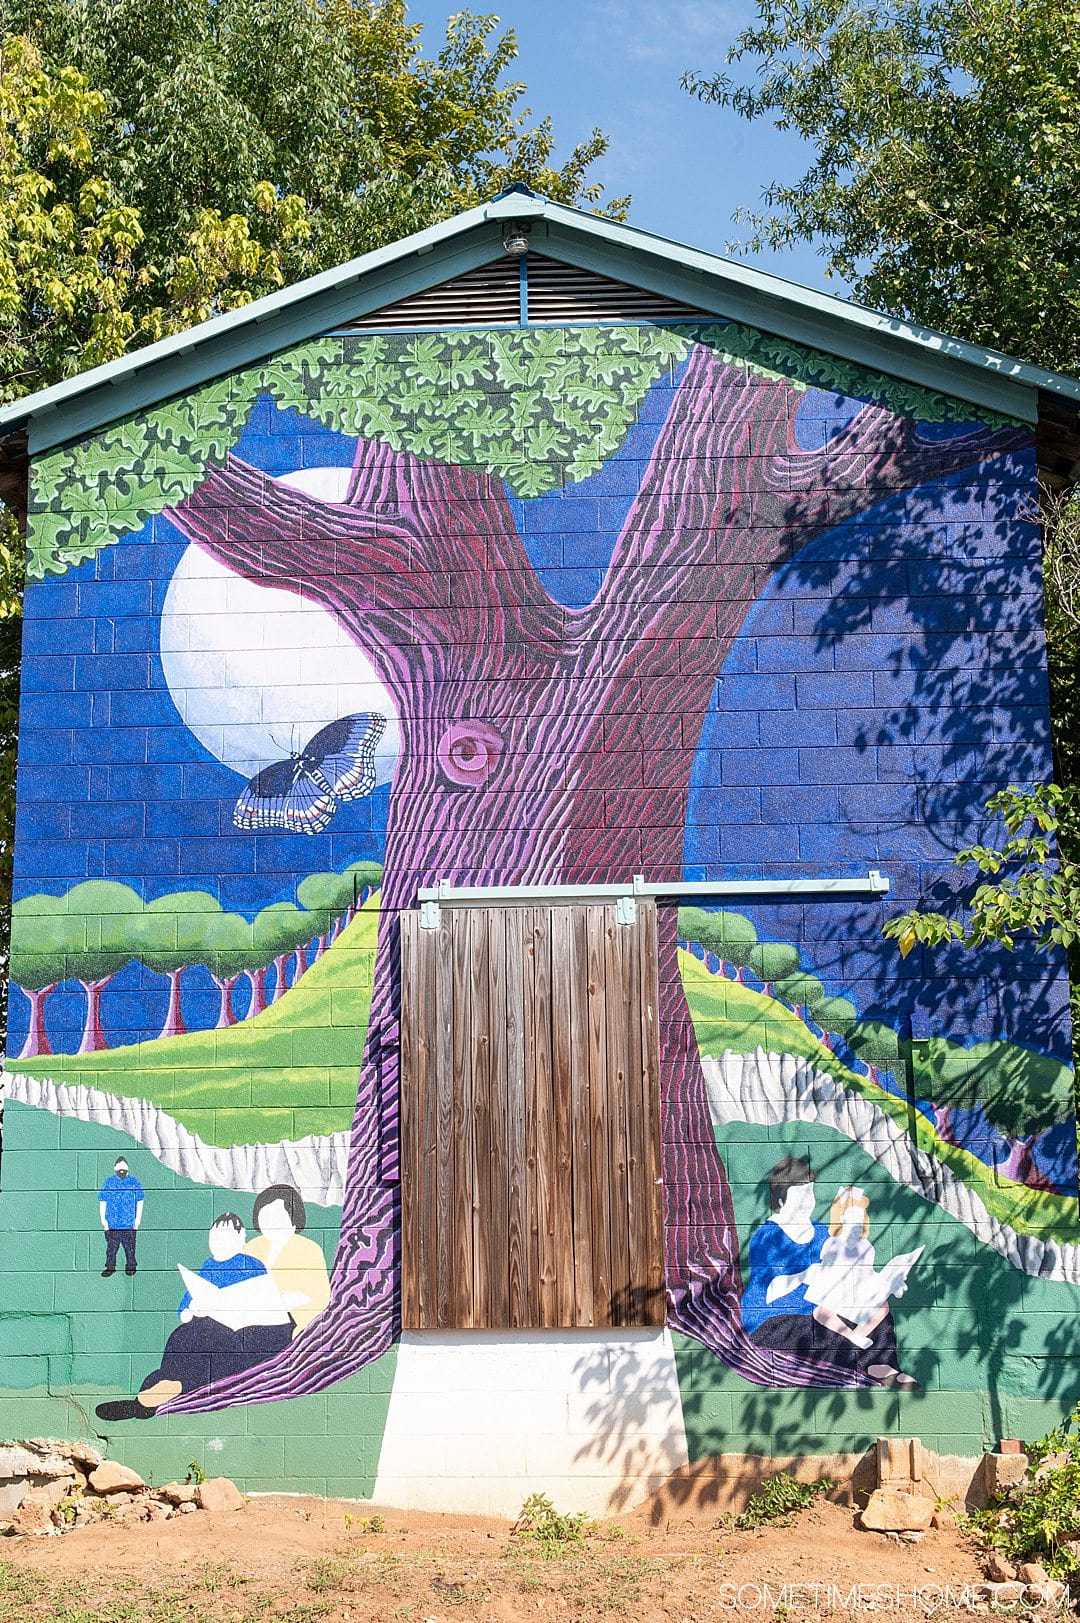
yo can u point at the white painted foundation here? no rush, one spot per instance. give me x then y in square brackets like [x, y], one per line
[478, 1420]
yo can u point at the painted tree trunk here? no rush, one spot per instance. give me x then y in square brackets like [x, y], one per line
[299, 964]
[323, 943]
[281, 984]
[943, 1121]
[93, 1036]
[1019, 1164]
[174, 1015]
[226, 1014]
[257, 982]
[37, 1038]
[543, 744]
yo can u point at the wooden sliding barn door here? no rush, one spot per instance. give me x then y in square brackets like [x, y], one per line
[530, 1119]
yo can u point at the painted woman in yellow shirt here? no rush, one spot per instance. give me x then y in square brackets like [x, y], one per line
[297, 1266]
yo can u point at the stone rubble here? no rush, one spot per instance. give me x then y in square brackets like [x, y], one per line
[48, 1487]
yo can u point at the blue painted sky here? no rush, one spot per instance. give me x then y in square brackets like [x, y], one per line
[617, 64]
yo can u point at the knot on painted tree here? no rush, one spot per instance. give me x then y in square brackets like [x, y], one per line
[469, 752]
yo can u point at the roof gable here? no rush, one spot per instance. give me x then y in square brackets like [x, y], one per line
[699, 283]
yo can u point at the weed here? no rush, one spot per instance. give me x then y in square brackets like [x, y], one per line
[1039, 1520]
[18, 1588]
[554, 1535]
[456, 1592]
[777, 1500]
[195, 1473]
[329, 1572]
[365, 1524]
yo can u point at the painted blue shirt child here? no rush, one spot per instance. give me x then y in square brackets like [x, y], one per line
[228, 1262]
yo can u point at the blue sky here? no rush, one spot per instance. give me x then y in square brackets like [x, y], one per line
[618, 63]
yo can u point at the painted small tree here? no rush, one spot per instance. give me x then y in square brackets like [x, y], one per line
[225, 949]
[325, 897]
[561, 750]
[169, 938]
[43, 943]
[729, 937]
[877, 1045]
[1021, 1093]
[107, 915]
[772, 961]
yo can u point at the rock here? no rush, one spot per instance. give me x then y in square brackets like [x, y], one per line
[911, 1538]
[33, 1519]
[1052, 1462]
[1004, 1471]
[1003, 1594]
[900, 1462]
[186, 1507]
[49, 1457]
[83, 1454]
[1010, 1445]
[888, 1511]
[177, 1493]
[52, 1492]
[219, 1494]
[998, 1570]
[109, 1477]
[1033, 1572]
[12, 1495]
[944, 1517]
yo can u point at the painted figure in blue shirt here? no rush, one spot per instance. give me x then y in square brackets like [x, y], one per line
[228, 1262]
[120, 1203]
[775, 1309]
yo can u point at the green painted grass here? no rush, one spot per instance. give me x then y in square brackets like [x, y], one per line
[290, 1071]
[729, 1016]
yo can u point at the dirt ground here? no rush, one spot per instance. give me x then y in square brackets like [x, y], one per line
[286, 1560]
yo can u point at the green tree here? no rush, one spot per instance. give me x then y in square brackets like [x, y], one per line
[225, 949]
[728, 936]
[337, 102]
[773, 961]
[877, 1044]
[944, 181]
[92, 929]
[1021, 1093]
[43, 940]
[169, 937]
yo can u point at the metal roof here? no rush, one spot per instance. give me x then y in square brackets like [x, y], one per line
[710, 283]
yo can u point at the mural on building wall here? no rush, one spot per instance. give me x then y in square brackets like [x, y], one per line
[474, 606]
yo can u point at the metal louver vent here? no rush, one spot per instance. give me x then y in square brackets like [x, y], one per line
[542, 290]
[562, 293]
[489, 296]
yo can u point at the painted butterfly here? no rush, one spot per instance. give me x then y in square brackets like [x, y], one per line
[302, 793]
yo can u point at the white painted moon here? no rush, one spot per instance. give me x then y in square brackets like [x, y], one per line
[255, 671]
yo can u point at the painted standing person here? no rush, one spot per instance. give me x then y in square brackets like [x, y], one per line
[120, 1204]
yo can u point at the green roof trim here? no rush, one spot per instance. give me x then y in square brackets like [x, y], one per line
[712, 284]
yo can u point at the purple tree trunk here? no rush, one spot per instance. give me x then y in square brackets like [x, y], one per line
[281, 985]
[558, 751]
[299, 964]
[93, 1036]
[257, 982]
[37, 1038]
[225, 983]
[1019, 1164]
[323, 943]
[174, 1016]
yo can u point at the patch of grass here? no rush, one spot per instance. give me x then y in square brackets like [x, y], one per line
[459, 1592]
[540, 1525]
[777, 1502]
[290, 1071]
[17, 1588]
[329, 1573]
[728, 1016]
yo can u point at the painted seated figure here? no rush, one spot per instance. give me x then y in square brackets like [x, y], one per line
[244, 1305]
[794, 1259]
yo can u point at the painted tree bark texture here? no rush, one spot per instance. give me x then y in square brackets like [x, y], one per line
[554, 745]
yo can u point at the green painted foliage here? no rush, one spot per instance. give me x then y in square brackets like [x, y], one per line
[536, 408]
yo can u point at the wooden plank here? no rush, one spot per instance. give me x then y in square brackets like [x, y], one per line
[497, 1217]
[648, 964]
[439, 1197]
[581, 1154]
[547, 1261]
[534, 1023]
[413, 1035]
[597, 1059]
[461, 1274]
[517, 1240]
[562, 1184]
[637, 1155]
[480, 1048]
[618, 1060]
